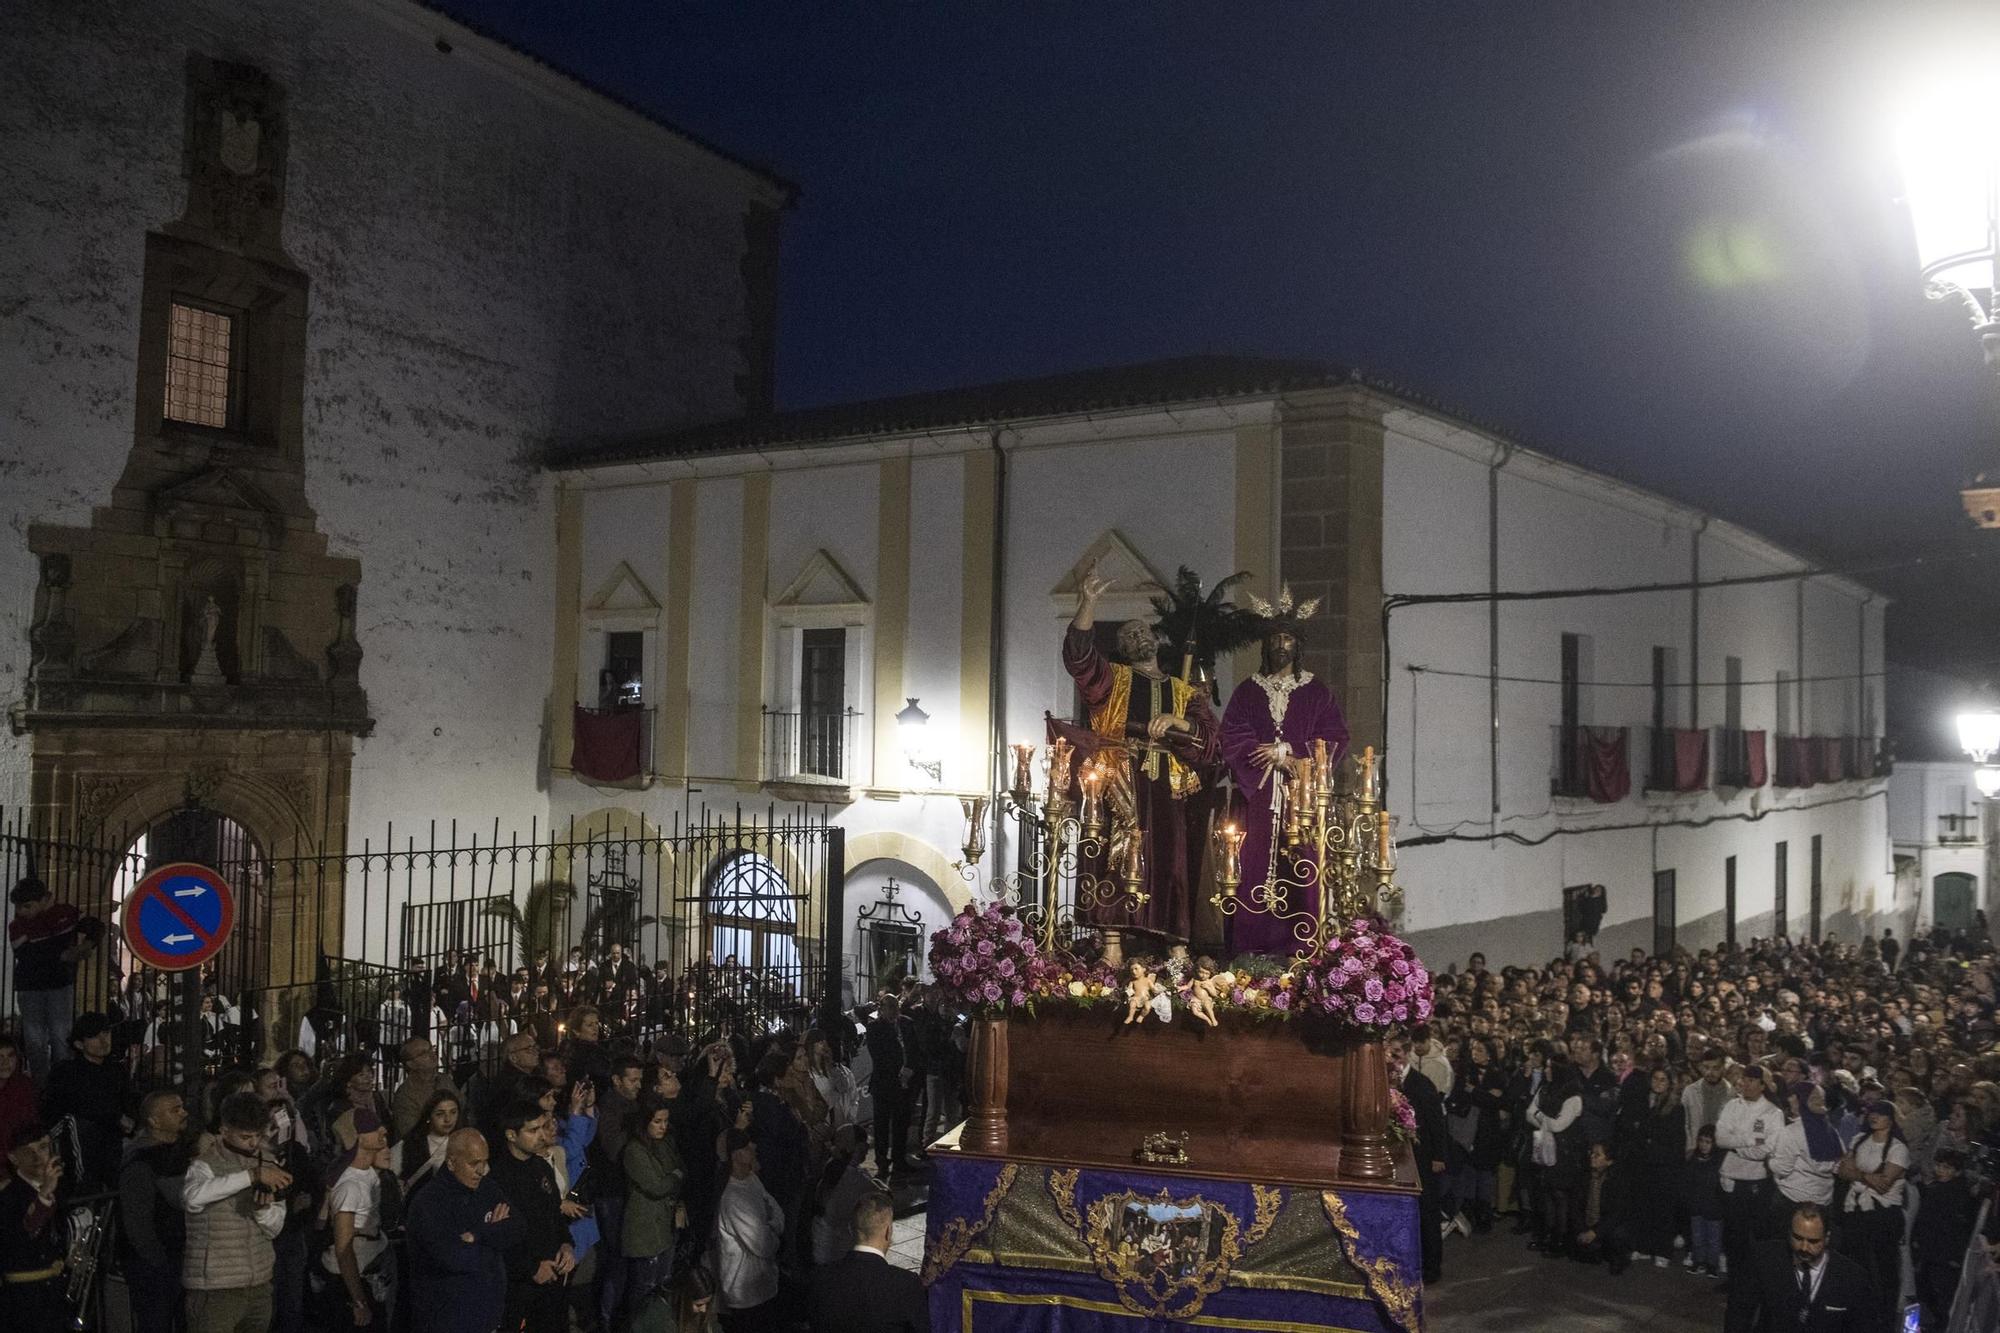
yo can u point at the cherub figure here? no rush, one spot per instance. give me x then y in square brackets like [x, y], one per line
[1140, 990]
[1203, 991]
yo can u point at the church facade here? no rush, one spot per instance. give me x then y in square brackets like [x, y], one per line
[298, 296]
[777, 593]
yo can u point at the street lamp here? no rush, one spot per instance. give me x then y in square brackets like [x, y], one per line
[911, 722]
[1979, 736]
[1949, 146]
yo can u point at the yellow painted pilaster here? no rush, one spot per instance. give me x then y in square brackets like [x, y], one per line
[975, 625]
[670, 737]
[750, 625]
[569, 614]
[892, 616]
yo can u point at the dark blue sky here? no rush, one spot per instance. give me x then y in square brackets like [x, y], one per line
[1658, 238]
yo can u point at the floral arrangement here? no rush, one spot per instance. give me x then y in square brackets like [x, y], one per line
[986, 961]
[1365, 977]
[1402, 1118]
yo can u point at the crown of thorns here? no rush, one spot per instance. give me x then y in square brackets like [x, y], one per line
[1284, 610]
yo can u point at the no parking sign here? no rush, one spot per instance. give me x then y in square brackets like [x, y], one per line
[179, 916]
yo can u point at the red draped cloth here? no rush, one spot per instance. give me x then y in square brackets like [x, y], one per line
[1690, 759]
[1833, 758]
[607, 745]
[1754, 766]
[1607, 771]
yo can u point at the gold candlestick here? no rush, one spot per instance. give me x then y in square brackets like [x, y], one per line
[1232, 860]
[1092, 813]
[1024, 772]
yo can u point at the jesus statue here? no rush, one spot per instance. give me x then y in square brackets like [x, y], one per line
[1268, 731]
[1158, 734]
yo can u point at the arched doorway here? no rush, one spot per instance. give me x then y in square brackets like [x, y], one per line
[147, 1001]
[1954, 895]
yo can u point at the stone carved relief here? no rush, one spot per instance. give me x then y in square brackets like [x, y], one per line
[284, 662]
[97, 794]
[52, 641]
[236, 151]
[132, 654]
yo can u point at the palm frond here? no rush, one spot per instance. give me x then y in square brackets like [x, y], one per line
[1204, 625]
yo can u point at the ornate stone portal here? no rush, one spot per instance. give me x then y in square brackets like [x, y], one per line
[196, 639]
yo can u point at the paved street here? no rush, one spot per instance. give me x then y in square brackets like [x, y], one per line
[1495, 1282]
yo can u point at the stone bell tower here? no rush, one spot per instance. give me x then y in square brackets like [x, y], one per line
[196, 640]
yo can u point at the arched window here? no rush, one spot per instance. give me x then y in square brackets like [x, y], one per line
[752, 915]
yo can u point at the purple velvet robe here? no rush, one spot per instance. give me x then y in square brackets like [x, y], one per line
[1311, 714]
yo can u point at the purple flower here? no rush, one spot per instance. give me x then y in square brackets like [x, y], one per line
[986, 948]
[991, 990]
[1393, 993]
[1372, 989]
[1423, 1008]
[1364, 1013]
[1282, 1000]
[1236, 995]
[1005, 967]
[1352, 964]
[1399, 967]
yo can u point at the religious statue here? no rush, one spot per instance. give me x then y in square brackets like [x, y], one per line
[1268, 731]
[1155, 734]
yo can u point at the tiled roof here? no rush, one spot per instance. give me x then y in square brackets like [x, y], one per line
[1109, 388]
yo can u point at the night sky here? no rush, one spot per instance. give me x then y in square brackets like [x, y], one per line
[1658, 238]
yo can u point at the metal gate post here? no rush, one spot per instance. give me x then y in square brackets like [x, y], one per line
[830, 927]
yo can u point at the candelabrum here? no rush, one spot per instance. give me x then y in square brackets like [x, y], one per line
[1079, 860]
[1333, 853]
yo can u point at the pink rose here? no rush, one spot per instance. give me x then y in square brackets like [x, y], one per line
[1364, 1013]
[1372, 989]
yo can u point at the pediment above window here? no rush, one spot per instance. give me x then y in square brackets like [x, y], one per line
[821, 585]
[623, 592]
[1134, 581]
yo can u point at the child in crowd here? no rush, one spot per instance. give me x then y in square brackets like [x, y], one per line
[1701, 1192]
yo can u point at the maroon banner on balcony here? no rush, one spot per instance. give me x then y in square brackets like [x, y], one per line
[1831, 762]
[608, 744]
[1690, 759]
[1755, 768]
[1607, 774]
[1796, 761]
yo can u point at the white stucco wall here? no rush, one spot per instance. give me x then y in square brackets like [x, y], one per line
[1560, 527]
[498, 260]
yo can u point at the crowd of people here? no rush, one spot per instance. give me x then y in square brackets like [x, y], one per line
[1735, 1112]
[578, 1174]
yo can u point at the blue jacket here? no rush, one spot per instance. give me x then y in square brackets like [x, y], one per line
[460, 1287]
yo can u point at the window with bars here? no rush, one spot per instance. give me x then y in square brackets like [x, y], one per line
[204, 351]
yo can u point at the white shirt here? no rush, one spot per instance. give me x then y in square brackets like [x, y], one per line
[1748, 1131]
[201, 1187]
[1801, 1178]
[1872, 1157]
[359, 1192]
[748, 1226]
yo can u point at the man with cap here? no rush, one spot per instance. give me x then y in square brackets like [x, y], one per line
[1747, 1131]
[47, 938]
[32, 1286]
[92, 1087]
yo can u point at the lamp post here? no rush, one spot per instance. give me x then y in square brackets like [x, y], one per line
[911, 721]
[1949, 147]
[1979, 736]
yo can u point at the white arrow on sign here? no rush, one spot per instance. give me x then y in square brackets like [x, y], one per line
[177, 939]
[189, 893]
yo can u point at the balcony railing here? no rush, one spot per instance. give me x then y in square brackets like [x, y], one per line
[1676, 759]
[1591, 763]
[1740, 759]
[809, 747]
[1958, 830]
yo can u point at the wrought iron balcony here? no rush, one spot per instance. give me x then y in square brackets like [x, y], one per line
[1958, 830]
[809, 747]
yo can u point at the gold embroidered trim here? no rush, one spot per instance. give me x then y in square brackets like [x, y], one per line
[958, 1234]
[1397, 1297]
[972, 1297]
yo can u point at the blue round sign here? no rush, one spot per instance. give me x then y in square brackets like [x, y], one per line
[179, 916]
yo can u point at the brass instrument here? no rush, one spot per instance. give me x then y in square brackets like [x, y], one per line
[85, 1227]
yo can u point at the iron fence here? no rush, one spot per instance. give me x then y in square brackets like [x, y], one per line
[719, 919]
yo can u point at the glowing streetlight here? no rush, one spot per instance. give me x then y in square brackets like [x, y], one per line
[1979, 734]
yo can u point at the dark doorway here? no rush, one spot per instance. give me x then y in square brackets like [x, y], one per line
[1664, 913]
[1729, 901]
[1816, 904]
[1780, 891]
[1952, 896]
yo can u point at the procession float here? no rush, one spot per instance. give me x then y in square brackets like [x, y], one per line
[1178, 1105]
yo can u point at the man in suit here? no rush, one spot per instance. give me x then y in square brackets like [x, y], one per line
[888, 1084]
[1430, 1150]
[862, 1292]
[1800, 1284]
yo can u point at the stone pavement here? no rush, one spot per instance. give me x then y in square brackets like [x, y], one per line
[1494, 1282]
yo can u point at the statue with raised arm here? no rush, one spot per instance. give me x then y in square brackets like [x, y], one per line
[1153, 734]
[1268, 730]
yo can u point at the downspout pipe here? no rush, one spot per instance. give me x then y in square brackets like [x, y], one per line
[1694, 624]
[996, 704]
[1502, 455]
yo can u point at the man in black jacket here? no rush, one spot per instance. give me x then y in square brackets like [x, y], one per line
[888, 1082]
[538, 1255]
[1800, 1284]
[152, 1228]
[460, 1231]
[862, 1292]
[1431, 1152]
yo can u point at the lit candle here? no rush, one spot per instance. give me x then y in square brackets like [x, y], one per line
[1232, 859]
[1092, 777]
[1368, 773]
